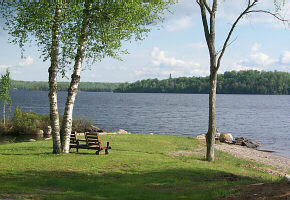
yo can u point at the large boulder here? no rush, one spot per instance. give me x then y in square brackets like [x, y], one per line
[39, 132]
[226, 138]
[246, 142]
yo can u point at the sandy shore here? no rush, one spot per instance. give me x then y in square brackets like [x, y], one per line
[282, 164]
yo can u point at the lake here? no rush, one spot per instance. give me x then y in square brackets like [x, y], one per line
[263, 118]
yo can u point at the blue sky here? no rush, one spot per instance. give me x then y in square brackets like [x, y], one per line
[260, 42]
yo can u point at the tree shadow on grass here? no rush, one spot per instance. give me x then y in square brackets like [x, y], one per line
[198, 183]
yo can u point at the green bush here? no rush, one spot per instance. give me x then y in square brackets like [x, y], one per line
[24, 123]
[81, 125]
[30, 123]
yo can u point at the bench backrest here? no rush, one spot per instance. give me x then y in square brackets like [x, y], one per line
[93, 139]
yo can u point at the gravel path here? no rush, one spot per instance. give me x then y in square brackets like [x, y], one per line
[279, 162]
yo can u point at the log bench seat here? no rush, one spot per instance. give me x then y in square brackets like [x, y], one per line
[91, 141]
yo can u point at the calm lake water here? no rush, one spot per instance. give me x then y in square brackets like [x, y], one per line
[263, 118]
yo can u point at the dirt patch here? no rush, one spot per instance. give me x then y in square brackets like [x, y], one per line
[181, 153]
[163, 188]
[17, 196]
[263, 191]
[223, 177]
[49, 190]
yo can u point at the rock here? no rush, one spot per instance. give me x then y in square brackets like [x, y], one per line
[47, 131]
[31, 140]
[201, 137]
[39, 132]
[121, 131]
[95, 128]
[287, 177]
[217, 135]
[151, 133]
[48, 138]
[226, 138]
[245, 142]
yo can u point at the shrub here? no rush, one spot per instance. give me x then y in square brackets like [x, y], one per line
[30, 123]
[81, 125]
[24, 123]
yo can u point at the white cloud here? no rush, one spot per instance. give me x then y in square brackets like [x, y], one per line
[256, 47]
[27, 61]
[5, 66]
[180, 23]
[285, 57]
[238, 67]
[163, 65]
[159, 58]
[263, 59]
[196, 45]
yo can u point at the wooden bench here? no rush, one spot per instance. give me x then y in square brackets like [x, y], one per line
[75, 141]
[92, 142]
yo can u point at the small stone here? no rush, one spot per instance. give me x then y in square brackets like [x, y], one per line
[201, 137]
[31, 140]
[95, 128]
[48, 130]
[121, 131]
[287, 177]
[226, 138]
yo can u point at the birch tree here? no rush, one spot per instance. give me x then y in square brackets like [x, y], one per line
[104, 25]
[26, 21]
[70, 33]
[208, 10]
[5, 84]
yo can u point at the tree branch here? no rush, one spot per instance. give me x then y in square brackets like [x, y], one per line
[204, 21]
[276, 15]
[219, 51]
[250, 5]
[207, 6]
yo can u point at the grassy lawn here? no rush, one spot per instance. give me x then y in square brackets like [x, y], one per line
[138, 167]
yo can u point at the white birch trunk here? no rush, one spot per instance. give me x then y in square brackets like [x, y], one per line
[54, 115]
[75, 80]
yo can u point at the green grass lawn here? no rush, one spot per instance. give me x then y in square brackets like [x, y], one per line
[138, 167]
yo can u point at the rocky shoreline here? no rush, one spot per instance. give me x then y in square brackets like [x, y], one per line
[281, 164]
[246, 149]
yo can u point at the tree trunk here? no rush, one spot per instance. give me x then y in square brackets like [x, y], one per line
[54, 116]
[4, 120]
[75, 80]
[210, 136]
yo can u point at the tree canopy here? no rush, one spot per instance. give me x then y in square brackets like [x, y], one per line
[242, 82]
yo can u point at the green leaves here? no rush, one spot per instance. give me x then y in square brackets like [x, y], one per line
[5, 84]
[111, 23]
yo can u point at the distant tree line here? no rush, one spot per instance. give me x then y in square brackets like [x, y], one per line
[241, 82]
[63, 86]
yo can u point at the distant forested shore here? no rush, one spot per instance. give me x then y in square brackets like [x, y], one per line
[63, 86]
[241, 82]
